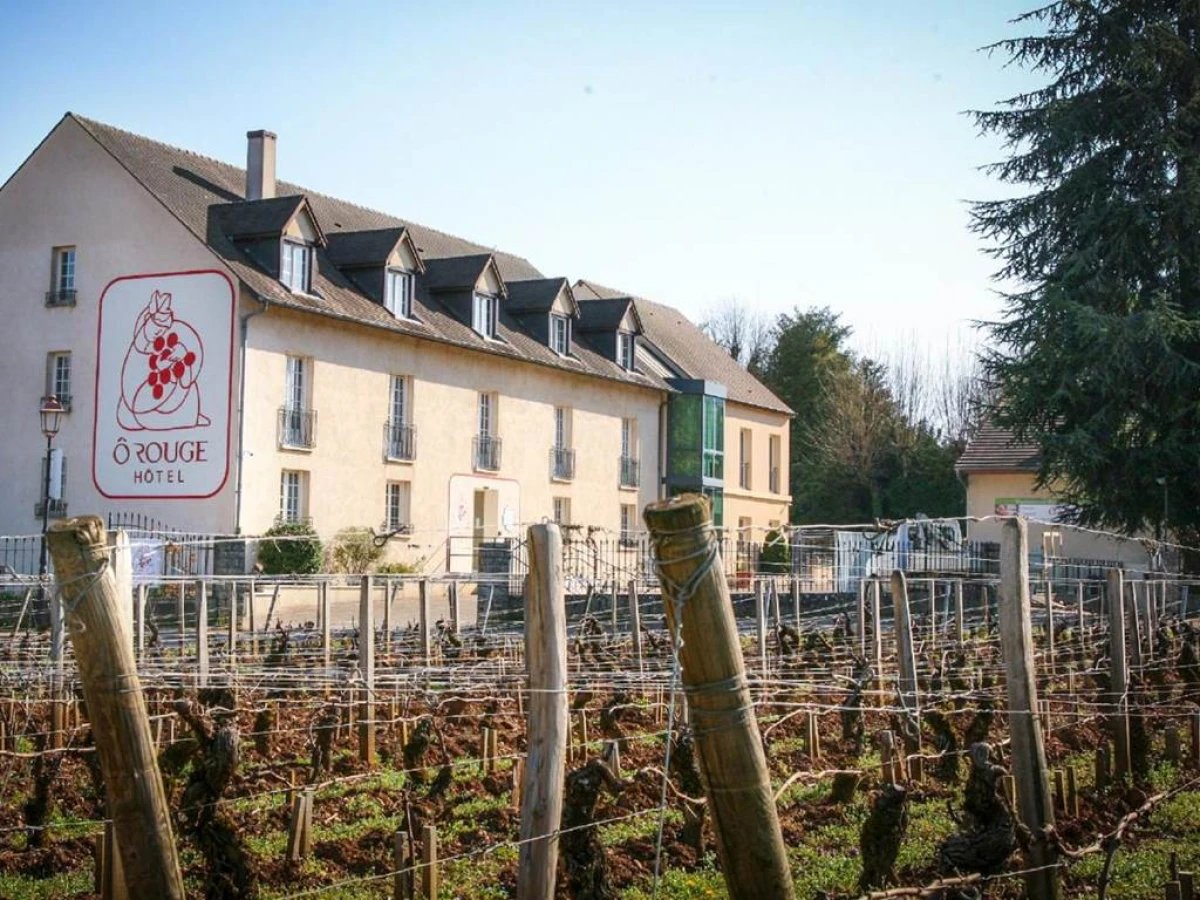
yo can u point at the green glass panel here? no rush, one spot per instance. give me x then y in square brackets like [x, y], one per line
[686, 435]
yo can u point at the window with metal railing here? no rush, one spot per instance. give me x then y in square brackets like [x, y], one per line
[62, 281]
[486, 452]
[562, 463]
[297, 428]
[399, 441]
[630, 472]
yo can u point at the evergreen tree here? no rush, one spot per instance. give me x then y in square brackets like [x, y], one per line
[1098, 353]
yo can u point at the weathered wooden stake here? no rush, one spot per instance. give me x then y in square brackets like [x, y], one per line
[326, 634]
[1103, 767]
[452, 599]
[112, 876]
[423, 612]
[909, 697]
[796, 601]
[402, 863]
[760, 623]
[1118, 672]
[635, 625]
[1028, 752]
[202, 633]
[136, 801]
[877, 630]
[429, 863]
[366, 672]
[958, 612]
[140, 620]
[698, 608]
[1072, 793]
[548, 724]
[860, 618]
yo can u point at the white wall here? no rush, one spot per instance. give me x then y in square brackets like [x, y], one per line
[71, 192]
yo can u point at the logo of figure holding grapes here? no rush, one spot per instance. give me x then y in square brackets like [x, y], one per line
[158, 379]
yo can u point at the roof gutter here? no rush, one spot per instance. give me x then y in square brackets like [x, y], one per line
[241, 457]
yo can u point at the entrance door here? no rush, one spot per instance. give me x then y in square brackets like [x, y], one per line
[486, 522]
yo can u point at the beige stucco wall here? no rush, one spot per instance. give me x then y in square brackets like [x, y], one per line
[758, 504]
[350, 383]
[984, 488]
[71, 192]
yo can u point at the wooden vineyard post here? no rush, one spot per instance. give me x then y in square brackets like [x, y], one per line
[366, 673]
[429, 863]
[202, 634]
[635, 625]
[796, 601]
[1049, 629]
[389, 597]
[1118, 672]
[233, 627]
[734, 768]
[860, 619]
[909, 697]
[140, 621]
[402, 861]
[548, 722]
[1028, 752]
[452, 599]
[250, 618]
[326, 633]
[181, 611]
[135, 798]
[877, 627]
[958, 612]
[760, 623]
[933, 614]
[423, 604]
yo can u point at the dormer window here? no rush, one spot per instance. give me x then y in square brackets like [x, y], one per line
[483, 314]
[560, 334]
[625, 350]
[397, 293]
[295, 266]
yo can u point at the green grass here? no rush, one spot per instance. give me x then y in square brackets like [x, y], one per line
[56, 887]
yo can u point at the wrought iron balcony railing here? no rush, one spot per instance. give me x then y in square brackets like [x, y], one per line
[399, 440]
[486, 452]
[60, 298]
[58, 509]
[562, 463]
[297, 428]
[631, 472]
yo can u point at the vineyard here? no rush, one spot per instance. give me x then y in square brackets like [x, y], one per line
[911, 743]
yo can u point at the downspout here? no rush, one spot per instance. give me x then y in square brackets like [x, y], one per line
[241, 457]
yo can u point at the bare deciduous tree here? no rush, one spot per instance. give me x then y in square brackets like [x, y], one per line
[745, 333]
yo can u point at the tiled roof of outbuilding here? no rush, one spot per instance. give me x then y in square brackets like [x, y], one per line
[995, 449]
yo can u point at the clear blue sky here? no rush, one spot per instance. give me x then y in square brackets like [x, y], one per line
[787, 154]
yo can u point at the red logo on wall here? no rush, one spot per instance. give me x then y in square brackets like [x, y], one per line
[164, 376]
[159, 390]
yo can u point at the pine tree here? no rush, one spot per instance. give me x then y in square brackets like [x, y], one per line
[1098, 353]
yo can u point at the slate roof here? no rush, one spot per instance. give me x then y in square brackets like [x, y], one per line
[189, 185]
[258, 217]
[534, 294]
[688, 348]
[456, 273]
[994, 449]
[363, 248]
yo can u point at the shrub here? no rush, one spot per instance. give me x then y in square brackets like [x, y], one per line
[400, 568]
[353, 551]
[296, 552]
[776, 555]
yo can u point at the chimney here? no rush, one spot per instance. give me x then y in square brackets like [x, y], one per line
[260, 165]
